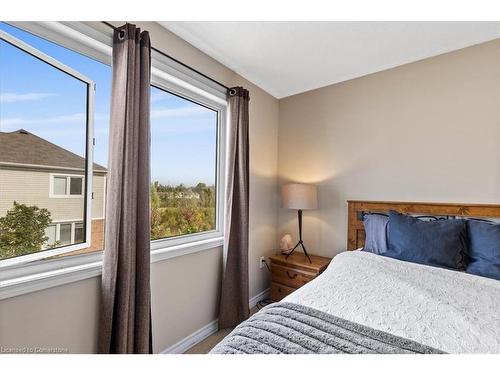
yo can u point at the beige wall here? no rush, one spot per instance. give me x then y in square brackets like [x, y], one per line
[32, 187]
[185, 295]
[60, 317]
[426, 131]
[185, 289]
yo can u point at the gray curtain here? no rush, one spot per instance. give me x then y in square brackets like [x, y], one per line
[233, 307]
[125, 325]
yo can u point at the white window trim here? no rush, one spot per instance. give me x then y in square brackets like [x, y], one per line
[167, 75]
[23, 259]
[52, 273]
[68, 182]
[165, 244]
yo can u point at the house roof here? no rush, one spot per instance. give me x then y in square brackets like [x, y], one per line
[23, 147]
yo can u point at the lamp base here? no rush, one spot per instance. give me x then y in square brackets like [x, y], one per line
[300, 243]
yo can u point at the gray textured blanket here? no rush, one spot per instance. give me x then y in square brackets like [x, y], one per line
[287, 328]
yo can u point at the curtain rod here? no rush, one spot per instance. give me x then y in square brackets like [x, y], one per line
[177, 61]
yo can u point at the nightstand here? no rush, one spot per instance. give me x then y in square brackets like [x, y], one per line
[287, 275]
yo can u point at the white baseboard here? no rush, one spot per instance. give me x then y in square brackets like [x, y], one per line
[259, 297]
[193, 339]
[196, 337]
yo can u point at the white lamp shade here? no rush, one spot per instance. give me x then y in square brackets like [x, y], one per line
[299, 196]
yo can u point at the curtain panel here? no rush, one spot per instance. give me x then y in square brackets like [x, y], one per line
[125, 322]
[233, 307]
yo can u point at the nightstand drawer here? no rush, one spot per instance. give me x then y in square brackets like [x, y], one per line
[290, 276]
[278, 291]
[293, 272]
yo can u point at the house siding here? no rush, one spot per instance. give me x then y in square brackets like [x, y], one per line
[32, 187]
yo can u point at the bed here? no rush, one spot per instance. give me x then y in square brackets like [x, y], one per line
[367, 303]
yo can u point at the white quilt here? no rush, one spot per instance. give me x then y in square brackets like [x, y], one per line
[448, 310]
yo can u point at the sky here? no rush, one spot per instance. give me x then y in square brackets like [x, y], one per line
[51, 104]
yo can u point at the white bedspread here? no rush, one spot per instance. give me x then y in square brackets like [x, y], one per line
[448, 310]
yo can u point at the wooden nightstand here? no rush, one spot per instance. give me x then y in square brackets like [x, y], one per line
[287, 275]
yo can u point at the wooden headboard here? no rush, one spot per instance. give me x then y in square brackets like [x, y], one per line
[356, 210]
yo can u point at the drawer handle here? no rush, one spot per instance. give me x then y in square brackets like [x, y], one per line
[292, 276]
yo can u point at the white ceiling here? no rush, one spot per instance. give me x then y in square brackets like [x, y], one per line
[286, 58]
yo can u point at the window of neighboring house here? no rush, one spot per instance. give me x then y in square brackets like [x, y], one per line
[67, 186]
[75, 185]
[64, 234]
[50, 232]
[46, 112]
[59, 186]
[79, 234]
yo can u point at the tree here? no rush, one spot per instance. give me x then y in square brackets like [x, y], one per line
[22, 230]
[157, 228]
[181, 209]
[207, 197]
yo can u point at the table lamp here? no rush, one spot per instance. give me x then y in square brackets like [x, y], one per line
[300, 197]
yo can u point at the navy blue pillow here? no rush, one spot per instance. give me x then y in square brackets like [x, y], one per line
[375, 230]
[440, 243]
[484, 249]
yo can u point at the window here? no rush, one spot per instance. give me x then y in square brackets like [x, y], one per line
[50, 232]
[65, 233]
[53, 102]
[46, 130]
[79, 235]
[66, 186]
[183, 166]
[59, 186]
[75, 186]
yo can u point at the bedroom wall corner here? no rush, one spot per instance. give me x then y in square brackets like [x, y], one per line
[425, 131]
[264, 197]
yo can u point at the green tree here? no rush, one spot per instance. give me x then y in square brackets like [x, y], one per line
[22, 230]
[157, 228]
[181, 209]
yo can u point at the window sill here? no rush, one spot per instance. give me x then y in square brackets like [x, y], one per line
[49, 274]
[181, 249]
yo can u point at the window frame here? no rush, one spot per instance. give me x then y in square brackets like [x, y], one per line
[95, 41]
[89, 146]
[163, 244]
[68, 177]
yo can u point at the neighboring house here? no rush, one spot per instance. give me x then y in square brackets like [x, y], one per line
[36, 172]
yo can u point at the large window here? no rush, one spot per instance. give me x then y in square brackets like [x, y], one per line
[55, 173]
[183, 166]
